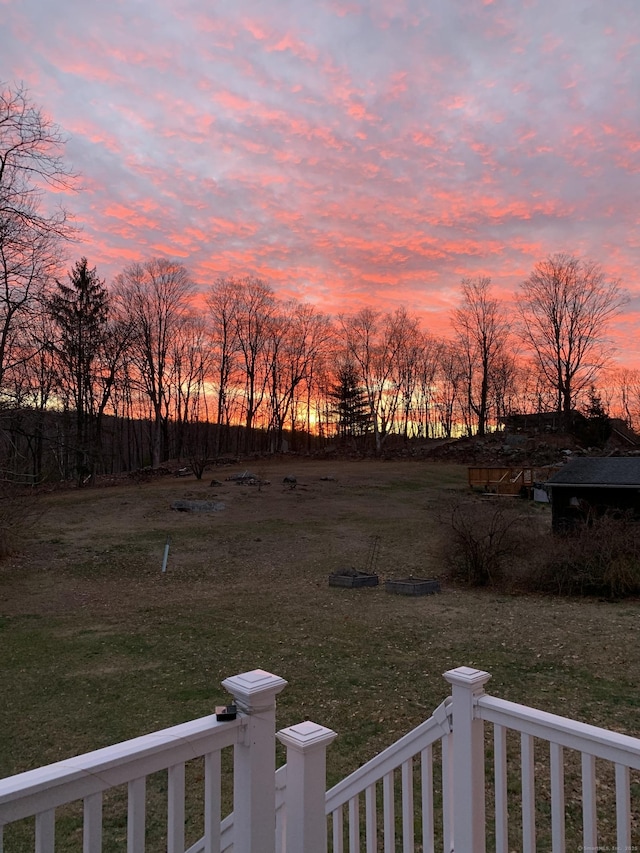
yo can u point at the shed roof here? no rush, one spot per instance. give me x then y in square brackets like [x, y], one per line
[621, 471]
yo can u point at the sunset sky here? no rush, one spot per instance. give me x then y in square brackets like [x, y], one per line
[350, 152]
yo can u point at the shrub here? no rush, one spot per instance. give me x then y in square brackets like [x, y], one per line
[483, 535]
[601, 557]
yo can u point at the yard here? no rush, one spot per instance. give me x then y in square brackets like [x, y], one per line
[98, 645]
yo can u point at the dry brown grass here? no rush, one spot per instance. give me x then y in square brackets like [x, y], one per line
[99, 646]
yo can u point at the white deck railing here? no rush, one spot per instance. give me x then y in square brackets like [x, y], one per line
[38, 793]
[428, 791]
[520, 788]
[413, 752]
[620, 752]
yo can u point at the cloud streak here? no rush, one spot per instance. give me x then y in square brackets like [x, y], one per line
[349, 152]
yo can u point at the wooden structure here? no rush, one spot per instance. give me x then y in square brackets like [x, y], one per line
[532, 423]
[508, 480]
[589, 487]
[623, 434]
[416, 794]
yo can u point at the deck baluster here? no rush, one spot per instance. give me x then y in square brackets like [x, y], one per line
[92, 824]
[338, 830]
[557, 799]
[45, 831]
[354, 825]
[426, 790]
[175, 809]
[212, 801]
[371, 818]
[589, 811]
[623, 817]
[388, 811]
[528, 794]
[500, 782]
[408, 840]
[447, 792]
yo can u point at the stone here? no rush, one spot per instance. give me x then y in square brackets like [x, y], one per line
[197, 506]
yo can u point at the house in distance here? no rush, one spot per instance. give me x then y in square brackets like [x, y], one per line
[589, 487]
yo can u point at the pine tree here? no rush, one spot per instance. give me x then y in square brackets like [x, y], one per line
[351, 408]
[81, 311]
[595, 431]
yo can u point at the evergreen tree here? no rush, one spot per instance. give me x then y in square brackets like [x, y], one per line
[596, 429]
[351, 407]
[80, 310]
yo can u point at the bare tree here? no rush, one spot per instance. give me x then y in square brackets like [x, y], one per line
[505, 384]
[533, 391]
[223, 301]
[27, 394]
[298, 337]
[429, 356]
[372, 343]
[623, 385]
[191, 358]
[482, 330]
[156, 297]
[31, 149]
[566, 305]
[312, 340]
[253, 320]
[449, 381]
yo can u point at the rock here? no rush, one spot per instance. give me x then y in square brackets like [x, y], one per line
[197, 506]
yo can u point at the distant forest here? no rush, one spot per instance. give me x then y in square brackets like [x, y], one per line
[103, 381]
[97, 379]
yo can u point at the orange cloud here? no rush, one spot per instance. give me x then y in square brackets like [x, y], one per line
[363, 154]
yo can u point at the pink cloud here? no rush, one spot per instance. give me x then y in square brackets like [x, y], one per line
[367, 154]
[296, 46]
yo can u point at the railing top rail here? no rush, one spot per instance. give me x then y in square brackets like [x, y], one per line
[602, 743]
[428, 732]
[72, 779]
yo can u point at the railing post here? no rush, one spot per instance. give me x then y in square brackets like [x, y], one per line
[306, 822]
[254, 791]
[468, 760]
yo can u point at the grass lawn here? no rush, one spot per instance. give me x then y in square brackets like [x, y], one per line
[98, 645]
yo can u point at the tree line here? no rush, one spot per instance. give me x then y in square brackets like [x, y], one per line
[97, 379]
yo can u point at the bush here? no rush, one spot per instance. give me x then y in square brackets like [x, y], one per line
[483, 535]
[598, 558]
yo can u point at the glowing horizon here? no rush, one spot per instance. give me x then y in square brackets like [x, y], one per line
[348, 152]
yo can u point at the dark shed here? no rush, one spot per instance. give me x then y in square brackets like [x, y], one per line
[588, 487]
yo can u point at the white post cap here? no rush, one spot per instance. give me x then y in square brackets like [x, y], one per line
[306, 736]
[467, 676]
[254, 690]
